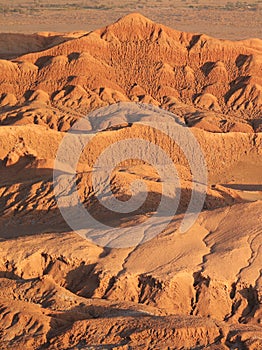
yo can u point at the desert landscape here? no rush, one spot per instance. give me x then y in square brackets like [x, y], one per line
[226, 19]
[200, 289]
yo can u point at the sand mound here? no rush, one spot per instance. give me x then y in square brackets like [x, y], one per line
[14, 44]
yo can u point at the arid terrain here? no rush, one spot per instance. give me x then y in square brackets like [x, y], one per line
[226, 19]
[198, 290]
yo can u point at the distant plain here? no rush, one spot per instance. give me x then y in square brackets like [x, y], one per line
[227, 19]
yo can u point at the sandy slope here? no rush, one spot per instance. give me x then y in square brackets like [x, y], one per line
[200, 289]
[210, 273]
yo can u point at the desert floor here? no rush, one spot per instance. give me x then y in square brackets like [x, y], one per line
[228, 19]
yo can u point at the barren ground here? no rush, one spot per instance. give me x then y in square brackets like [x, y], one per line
[228, 19]
[197, 290]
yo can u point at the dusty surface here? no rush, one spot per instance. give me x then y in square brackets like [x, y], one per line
[201, 289]
[227, 19]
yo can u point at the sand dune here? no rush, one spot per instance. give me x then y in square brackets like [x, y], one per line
[197, 290]
[14, 44]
